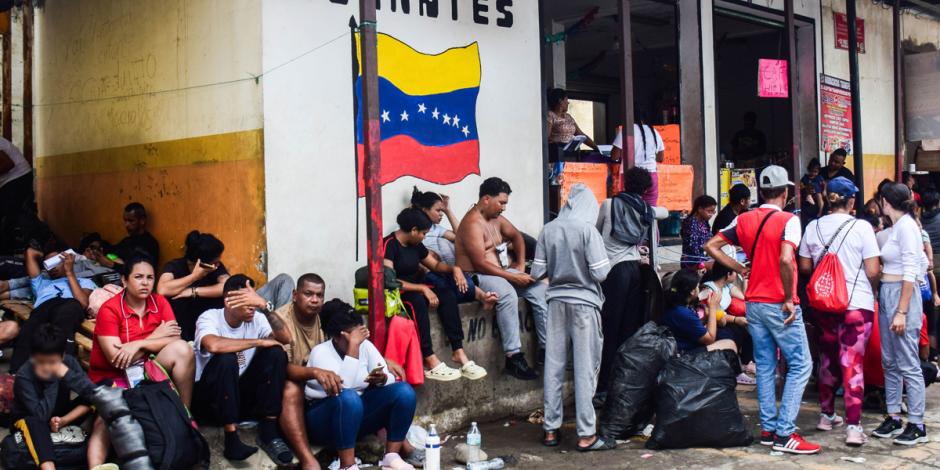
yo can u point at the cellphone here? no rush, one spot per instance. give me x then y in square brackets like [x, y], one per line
[377, 369]
[207, 265]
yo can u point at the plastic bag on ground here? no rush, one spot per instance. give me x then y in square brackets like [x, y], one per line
[696, 404]
[629, 404]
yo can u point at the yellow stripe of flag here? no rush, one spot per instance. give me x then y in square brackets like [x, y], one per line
[415, 73]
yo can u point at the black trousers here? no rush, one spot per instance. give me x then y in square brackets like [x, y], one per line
[622, 315]
[222, 397]
[448, 312]
[16, 197]
[67, 314]
[36, 430]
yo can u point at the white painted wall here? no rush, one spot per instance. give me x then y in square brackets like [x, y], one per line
[96, 61]
[309, 129]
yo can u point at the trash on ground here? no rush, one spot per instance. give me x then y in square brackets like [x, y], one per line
[537, 417]
[776, 453]
[646, 456]
[852, 459]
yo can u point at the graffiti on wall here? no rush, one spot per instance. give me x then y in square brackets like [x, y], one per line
[427, 106]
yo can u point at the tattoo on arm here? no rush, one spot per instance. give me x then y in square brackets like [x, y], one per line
[275, 321]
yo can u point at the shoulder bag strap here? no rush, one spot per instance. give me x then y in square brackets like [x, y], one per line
[757, 235]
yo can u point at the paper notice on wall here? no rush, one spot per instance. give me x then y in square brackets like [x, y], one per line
[772, 78]
[593, 175]
[670, 134]
[835, 114]
[675, 186]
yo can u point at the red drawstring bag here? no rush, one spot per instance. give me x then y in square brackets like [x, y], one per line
[827, 291]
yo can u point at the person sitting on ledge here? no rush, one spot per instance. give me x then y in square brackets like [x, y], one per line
[194, 283]
[370, 399]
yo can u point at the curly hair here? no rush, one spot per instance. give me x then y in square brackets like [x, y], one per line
[637, 180]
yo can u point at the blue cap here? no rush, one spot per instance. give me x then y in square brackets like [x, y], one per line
[842, 186]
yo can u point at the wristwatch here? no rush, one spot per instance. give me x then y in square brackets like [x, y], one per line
[268, 307]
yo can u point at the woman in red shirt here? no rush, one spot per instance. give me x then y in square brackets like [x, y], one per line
[130, 327]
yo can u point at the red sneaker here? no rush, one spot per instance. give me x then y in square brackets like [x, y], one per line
[767, 438]
[795, 444]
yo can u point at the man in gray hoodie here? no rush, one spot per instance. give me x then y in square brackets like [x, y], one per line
[571, 254]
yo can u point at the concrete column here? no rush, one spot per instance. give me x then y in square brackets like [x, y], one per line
[692, 137]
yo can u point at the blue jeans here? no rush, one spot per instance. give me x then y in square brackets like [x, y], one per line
[446, 281]
[339, 421]
[765, 323]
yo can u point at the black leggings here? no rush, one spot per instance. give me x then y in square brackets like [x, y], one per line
[622, 315]
[67, 314]
[446, 311]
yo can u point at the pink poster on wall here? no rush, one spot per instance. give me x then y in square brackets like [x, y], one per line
[772, 78]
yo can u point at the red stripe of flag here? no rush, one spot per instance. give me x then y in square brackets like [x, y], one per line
[440, 165]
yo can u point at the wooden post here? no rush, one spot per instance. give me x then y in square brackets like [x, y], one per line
[626, 82]
[372, 166]
[898, 96]
[28, 80]
[794, 98]
[857, 153]
[7, 78]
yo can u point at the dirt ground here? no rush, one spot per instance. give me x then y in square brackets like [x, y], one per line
[521, 440]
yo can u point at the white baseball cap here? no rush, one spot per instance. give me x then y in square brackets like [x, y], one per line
[774, 177]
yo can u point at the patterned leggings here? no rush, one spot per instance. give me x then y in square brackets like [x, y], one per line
[842, 343]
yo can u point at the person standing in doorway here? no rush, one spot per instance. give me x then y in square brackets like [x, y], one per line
[844, 335]
[571, 254]
[648, 150]
[836, 166]
[770, 238]
[900, 317]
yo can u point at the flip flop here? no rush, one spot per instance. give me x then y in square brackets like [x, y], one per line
[395, 462]
[598, 445]
[551, 442]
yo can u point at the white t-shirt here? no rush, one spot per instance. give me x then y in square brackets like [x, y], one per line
[212, 322]
[853, 245]
[353, 371]
[643, 156]
[902, 250]
[20, 165]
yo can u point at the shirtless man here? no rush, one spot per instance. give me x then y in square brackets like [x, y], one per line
[482, 249]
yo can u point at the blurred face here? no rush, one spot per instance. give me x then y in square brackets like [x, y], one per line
[308, 299]
[836, 162]
[493, 207]
[139, 283]
[812, 172]
[706, 213]
[243, 314]
[58, 271]
[436, 212]
[133, 224]
[45, 365]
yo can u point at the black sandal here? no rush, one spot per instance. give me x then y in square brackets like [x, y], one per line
[598, 444]
[553, 442]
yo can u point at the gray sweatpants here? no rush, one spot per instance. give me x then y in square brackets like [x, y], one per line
[278, 291]
[507, 308]
[900, 355]
[581, 325]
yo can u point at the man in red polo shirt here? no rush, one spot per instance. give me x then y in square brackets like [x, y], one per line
[770, 238]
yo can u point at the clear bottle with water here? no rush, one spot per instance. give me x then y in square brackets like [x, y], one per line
[432, 450]
[474, 442]
[491, 464]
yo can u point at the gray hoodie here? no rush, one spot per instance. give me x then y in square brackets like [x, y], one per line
[571, 253]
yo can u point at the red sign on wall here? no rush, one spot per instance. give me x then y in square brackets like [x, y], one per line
[772, 78]
[842, 32]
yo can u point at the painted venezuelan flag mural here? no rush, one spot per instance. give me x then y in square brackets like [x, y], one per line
[428, 113]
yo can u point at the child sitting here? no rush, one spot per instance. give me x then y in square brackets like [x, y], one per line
[813, 187]
[41, 404]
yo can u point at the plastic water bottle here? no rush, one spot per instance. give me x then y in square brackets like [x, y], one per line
[492, 464]
[432, 450]
[474, 442]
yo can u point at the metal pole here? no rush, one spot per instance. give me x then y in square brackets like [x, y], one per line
[857, 153]
[796, 135]
[372, 169]
[626, 82]
[28, 80]
[8, 77]
[899, 140]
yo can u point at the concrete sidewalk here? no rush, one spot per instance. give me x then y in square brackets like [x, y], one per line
[521, 440]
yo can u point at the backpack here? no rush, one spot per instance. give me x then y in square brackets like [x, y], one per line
[173, 440]
[827, 291]
[14, 454]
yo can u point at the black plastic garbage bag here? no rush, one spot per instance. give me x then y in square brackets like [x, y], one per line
[629, 404]
[696, 404]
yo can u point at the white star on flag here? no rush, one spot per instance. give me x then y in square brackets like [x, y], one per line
[404, 115]
[466, 131]
[385, 117]
[435, 114]
[446, 119]
[456, 121]
[422, 108]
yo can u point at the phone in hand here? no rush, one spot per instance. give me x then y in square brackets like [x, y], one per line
[207, 266]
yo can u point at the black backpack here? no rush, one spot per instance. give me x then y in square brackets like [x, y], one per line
[173, 441]
[14, 454]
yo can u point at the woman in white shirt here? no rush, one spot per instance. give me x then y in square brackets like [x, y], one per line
[648, 150]
[844, 335]
[900, 316]
[370, 400]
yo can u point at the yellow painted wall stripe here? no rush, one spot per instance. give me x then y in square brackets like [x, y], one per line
[217, 148]
[416, 73]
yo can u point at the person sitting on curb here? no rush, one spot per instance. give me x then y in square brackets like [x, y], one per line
[482, 249]
[370, 398]
[130, 328]
[241, 367]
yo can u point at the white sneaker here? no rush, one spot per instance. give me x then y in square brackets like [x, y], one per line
[826, 423]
